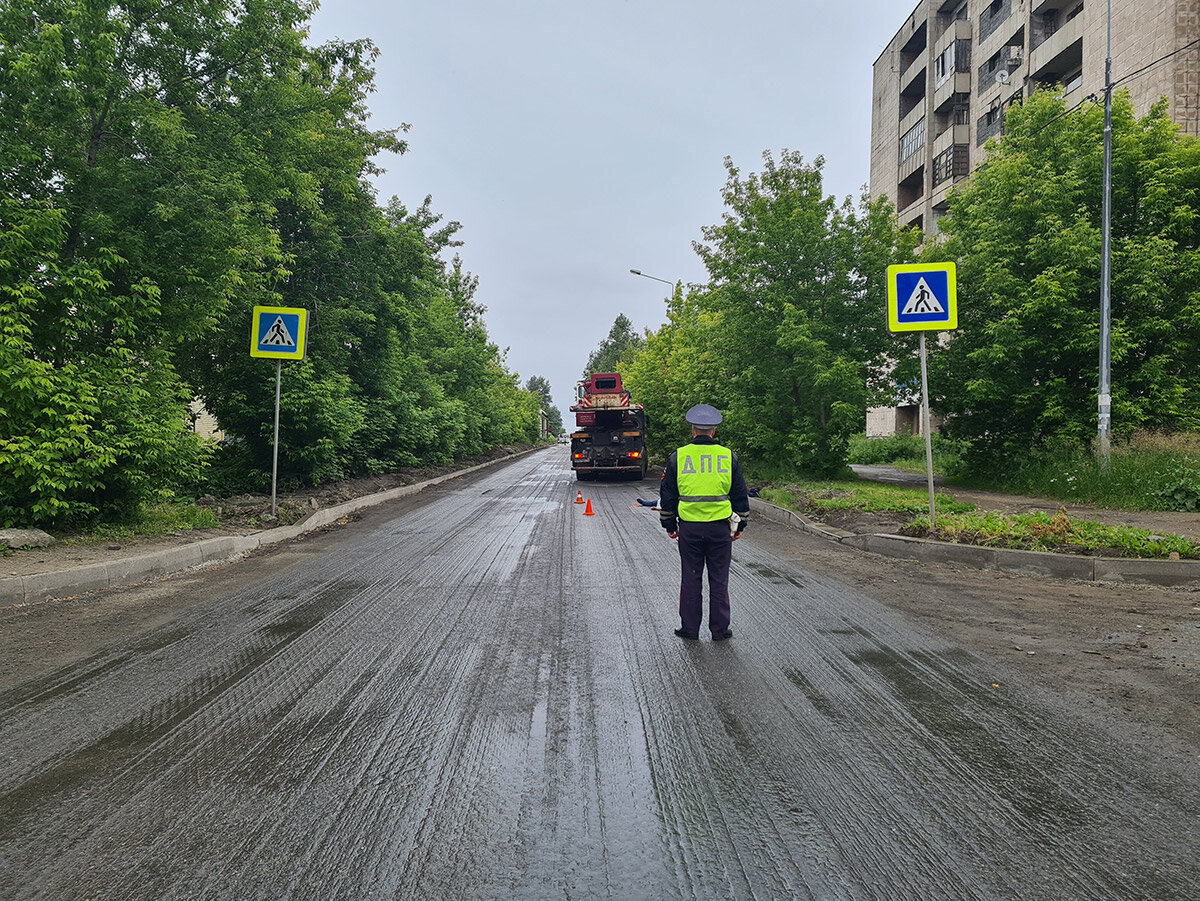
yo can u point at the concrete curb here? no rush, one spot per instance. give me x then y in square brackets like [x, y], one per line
[1163, 573]
[38, 587]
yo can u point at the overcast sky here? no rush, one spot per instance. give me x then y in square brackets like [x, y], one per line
[577, 140]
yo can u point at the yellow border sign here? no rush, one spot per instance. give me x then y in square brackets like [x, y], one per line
[279, 333]
[922, 297]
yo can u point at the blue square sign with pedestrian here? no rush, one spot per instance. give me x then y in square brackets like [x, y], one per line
[279, 333]
[922, 297]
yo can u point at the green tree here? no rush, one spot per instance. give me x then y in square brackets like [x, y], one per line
[540, 388]
[797, 281]
[678, 366]
[132, 196]
[1022, 369]
[622, 340]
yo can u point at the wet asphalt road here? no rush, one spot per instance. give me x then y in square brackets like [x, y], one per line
[483, 699]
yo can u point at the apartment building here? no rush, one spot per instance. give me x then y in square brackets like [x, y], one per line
[942, 85]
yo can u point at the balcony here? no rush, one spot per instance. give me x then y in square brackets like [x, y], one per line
[958, 30]
[1039, 7]
[912, 164]
[915, 115]
[1059, 53]
[958, 83]
[955, 134]
[912, 82]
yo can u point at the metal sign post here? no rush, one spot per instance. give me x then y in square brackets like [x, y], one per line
[923, 297]
[278, 333]
[275, 440]
[924, 426]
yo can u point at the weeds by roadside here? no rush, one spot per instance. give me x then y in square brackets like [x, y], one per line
[1150, 471]
[857, 494]
[1059, 533]
[961, 523]
[150, 522]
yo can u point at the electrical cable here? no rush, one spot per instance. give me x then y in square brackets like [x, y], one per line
[1149, 66]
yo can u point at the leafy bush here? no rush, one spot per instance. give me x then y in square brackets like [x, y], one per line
[874, 451]
[1180, 490]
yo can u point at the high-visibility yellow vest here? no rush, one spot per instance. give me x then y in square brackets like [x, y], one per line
[705, 475]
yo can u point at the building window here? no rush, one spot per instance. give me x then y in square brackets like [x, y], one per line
[962, 109]
[993, 16]
[992, 122]
[943, 66]
[953, 162]
[913, 140]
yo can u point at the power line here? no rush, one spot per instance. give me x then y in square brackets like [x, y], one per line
[1163, 59]
[1093, 98]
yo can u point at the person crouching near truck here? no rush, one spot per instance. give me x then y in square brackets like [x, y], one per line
[704, 504]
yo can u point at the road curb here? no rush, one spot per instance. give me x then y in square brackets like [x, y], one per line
[31, 589]
[1138, 571]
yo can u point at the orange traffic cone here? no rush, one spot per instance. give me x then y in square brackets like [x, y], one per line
[587, 511]
[579, 497]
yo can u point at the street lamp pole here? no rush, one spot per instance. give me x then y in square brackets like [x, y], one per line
[1104, 426]
[655, 277]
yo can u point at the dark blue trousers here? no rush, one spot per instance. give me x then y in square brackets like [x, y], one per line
[704, 544]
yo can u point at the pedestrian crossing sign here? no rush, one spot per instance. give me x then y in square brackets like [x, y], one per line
[922, 297]
[279, 333]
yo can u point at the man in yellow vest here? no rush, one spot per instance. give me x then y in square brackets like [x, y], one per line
[704, 505]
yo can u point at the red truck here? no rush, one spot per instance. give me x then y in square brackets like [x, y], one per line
[610, 431]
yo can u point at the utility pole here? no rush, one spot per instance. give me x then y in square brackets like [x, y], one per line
[1104, 426]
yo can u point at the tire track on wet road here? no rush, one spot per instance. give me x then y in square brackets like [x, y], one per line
[482, 698]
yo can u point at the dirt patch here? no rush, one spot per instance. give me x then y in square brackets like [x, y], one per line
[1132, 651]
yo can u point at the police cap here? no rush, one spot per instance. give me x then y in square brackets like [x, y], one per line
[703, 416]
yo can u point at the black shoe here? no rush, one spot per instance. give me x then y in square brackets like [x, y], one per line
[688, 635]
[722, 636]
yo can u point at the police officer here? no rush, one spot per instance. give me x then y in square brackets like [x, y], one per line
[702, 487]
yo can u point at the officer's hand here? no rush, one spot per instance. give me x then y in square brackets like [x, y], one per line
[737, 535]
[673, 535]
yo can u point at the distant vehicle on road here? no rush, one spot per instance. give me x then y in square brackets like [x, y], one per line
[610, 435]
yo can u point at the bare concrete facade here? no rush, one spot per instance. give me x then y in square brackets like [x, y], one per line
[943, 83]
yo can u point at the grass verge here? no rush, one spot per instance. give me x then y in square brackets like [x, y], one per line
[961, 523]
[1058, 533]
[150, 522]
[858, 494]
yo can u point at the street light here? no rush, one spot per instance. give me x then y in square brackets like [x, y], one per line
[655, 277]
